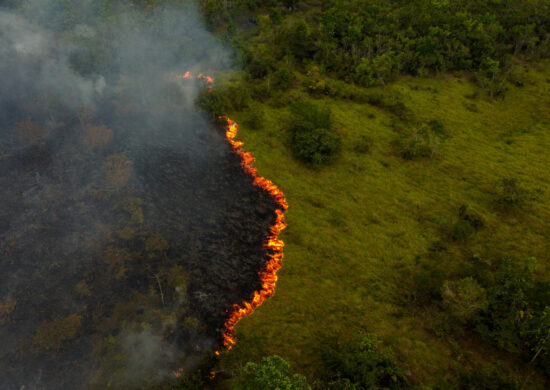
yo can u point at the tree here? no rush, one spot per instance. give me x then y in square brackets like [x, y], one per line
[273, 373]
[312, 138]
[362, 364]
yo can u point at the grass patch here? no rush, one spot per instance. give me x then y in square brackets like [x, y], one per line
[357, 236]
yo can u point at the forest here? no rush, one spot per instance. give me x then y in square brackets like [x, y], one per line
[411, 141]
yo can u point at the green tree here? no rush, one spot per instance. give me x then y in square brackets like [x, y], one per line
[312, 137]
[361, 365]
[273, 373]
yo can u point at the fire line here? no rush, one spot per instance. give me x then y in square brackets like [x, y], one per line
[273, 244]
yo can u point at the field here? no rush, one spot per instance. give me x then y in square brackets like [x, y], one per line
[360, 228]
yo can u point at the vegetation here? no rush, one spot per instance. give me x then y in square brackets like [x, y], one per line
[311, 135]
[412, 249]
[363, 364]
[273, 373]
[411, 141]
[427, 192]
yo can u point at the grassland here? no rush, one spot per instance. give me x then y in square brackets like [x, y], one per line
[361, 227]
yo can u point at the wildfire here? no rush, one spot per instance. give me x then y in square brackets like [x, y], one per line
[188, 76]
[274, 245]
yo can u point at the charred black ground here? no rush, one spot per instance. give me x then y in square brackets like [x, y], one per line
[126, 238]
[127, 225]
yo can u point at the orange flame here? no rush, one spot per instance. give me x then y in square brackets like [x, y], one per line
[273, 244]
[187, 76]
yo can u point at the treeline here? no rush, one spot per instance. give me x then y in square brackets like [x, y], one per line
[368, 41]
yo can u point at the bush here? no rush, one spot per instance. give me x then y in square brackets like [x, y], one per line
[486, 379]
[362, 364]
[474, 219]
[212, 102]
[273, 373]
[312, 138]
[392, 103]
[283, 79]
[511, 195]
[219, 101]
[363, 145]
[460, 230]
[413, 146]
[463, 298]
[437, 127]
[466, 225]
[255, 118]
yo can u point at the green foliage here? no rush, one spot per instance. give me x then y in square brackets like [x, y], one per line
[504, 303]
[463, 298]
[300, 39]
[392, 102]
[374, 71]
[486, 378]
[362, 364]
[468, 222]
[311, 133]
[219, 101]
[283, 79]
[273, 373]
[255, 118]
[416, 142]
[511, 195]
[364, 144]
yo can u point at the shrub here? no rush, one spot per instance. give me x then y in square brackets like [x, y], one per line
[255, 118]
[363, 145]
[512, 195]
[283, 79]
[273, 373]
[486, 379]
[413, 146]
[362, 364]
[474, 219]
[312, 138]
[460, 230]
[468, 222]
[236, 97]
[211, 102]
[463, 298]
[437, 127]
[392, 103]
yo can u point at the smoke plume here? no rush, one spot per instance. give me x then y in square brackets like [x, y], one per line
[127, 227]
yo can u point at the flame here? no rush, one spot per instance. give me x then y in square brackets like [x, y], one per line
[273, 244]
[188, 76]
[209, 80]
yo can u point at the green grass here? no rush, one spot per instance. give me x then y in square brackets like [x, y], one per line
[359, 228]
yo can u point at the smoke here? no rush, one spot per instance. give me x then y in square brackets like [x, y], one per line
[127, 228]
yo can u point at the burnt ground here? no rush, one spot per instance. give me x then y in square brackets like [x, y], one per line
[121, 247]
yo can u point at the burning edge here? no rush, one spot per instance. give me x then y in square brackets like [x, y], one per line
[273, 244]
